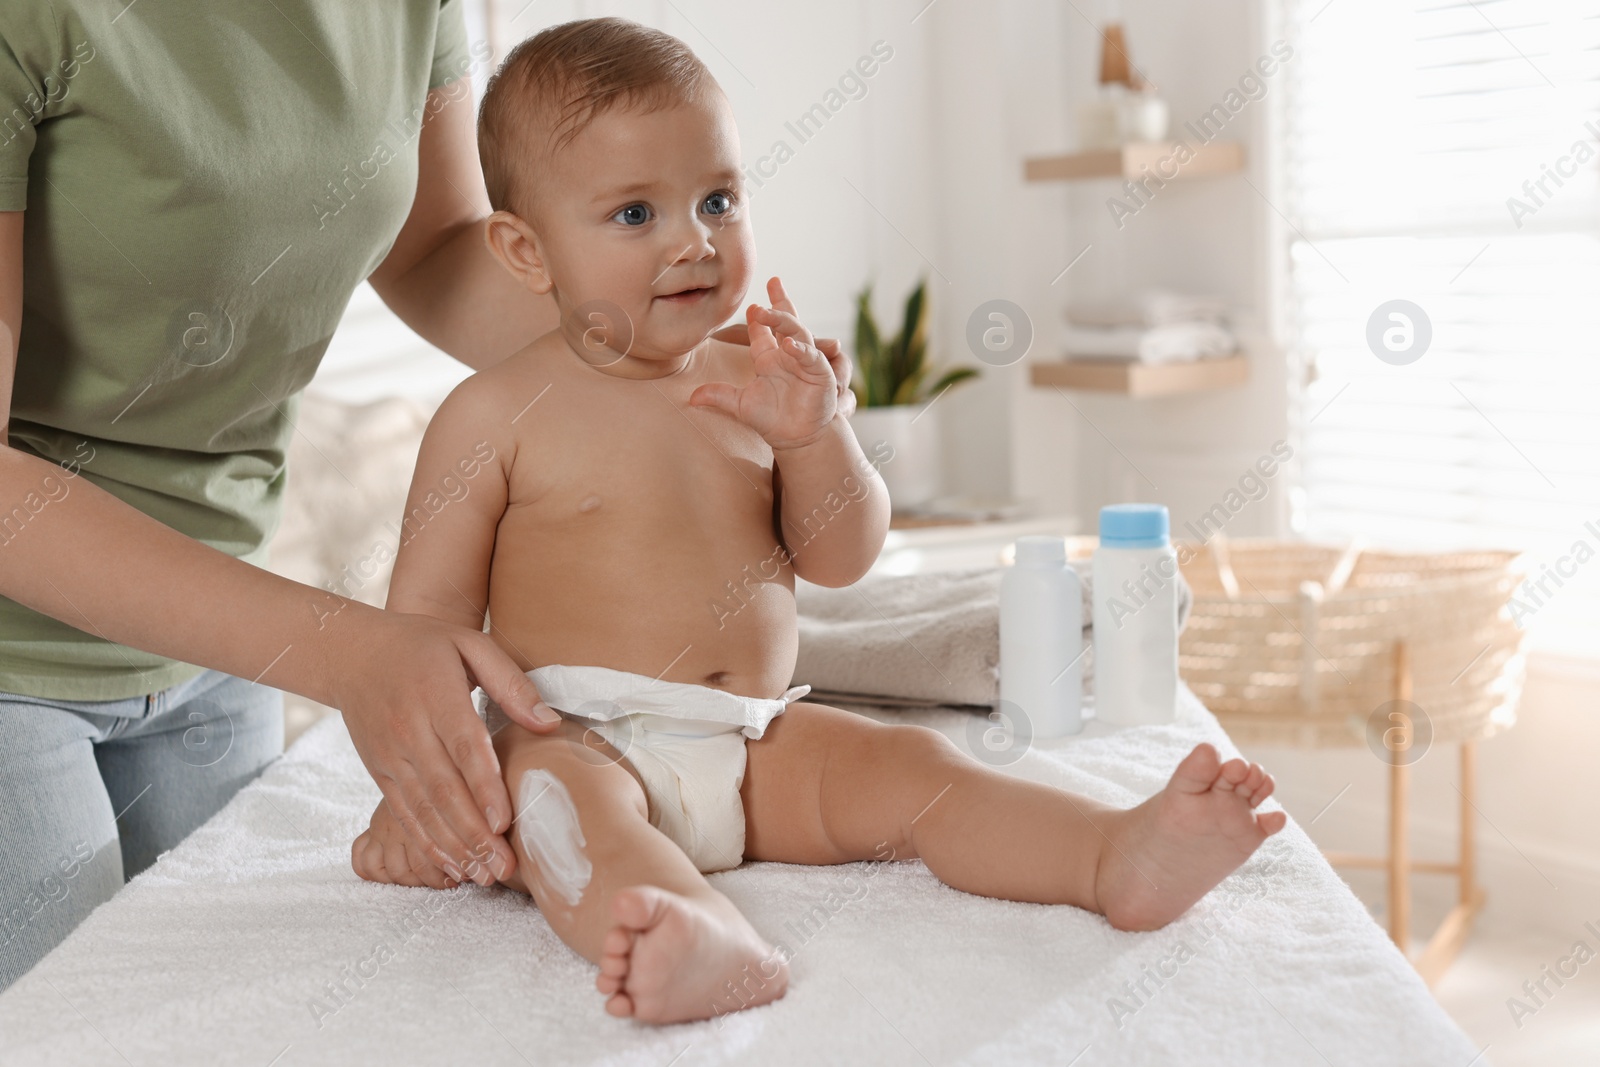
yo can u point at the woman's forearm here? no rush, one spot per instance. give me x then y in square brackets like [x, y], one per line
[461, 300]
[97, 563]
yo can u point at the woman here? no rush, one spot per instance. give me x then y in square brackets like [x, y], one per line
[204, 185]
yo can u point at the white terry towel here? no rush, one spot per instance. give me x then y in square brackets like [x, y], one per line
[918, 638]
[1161, 307]
[1172, 343]
[253, 943]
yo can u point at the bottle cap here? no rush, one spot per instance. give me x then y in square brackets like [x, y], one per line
[1041, 551]
[1134, 526]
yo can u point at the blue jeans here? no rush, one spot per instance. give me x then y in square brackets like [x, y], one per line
[92, 791]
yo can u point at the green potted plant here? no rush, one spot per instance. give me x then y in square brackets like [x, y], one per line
[895, 387]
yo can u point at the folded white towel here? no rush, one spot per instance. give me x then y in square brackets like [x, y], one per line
[1160, 307]
[1172, 343]
[1153, 307]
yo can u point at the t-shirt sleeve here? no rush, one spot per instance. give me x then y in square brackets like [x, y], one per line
[21, 107]
[39, 59]
[451, 59]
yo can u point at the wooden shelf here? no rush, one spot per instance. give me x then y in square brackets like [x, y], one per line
[1132, 378]
[1130, 161]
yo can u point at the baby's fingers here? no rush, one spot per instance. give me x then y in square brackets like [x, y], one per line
[781, 322]
[760, 334]
[779, 296]
[719, 395]
[806, 362]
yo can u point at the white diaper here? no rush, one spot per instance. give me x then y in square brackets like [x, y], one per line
[685, 741]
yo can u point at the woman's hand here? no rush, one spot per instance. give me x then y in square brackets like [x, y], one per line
[383, 853]
[795, 393]
[406, 696]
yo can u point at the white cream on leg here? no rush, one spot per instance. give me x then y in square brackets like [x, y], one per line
[548, 828]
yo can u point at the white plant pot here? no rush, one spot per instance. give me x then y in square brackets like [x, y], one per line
[902, 441]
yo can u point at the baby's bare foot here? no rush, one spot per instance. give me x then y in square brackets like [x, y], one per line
[671, 958]
[1168, 852]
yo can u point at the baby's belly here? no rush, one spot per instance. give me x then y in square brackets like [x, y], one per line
[681, 603]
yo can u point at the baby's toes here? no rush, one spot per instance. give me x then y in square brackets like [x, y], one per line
[613, 965]
[1232, 775]
[1263, 790]
[618, 943]
[397, 866]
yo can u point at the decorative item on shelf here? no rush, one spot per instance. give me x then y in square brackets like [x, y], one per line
[1143, 116]
[894, 389]
[1125, 107]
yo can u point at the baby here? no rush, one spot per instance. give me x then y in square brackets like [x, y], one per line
[643, 497]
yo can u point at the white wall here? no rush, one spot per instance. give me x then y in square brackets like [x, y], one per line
[1201, 236]
[823, 237]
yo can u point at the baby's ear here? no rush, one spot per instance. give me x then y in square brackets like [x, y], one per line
[515, 244]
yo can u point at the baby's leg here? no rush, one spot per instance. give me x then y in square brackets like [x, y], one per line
[669, 946]
[828, 786]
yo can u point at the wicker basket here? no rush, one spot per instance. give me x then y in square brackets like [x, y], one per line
[1293, 643]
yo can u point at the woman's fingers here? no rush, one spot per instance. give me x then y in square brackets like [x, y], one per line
[419, 815]
[467, 740]
[505, 683]
[411, 719]
[425, 871]
[463, 819]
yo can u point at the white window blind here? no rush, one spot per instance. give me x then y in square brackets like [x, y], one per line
[1448, 154]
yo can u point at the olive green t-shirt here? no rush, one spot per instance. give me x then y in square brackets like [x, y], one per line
[205, 184]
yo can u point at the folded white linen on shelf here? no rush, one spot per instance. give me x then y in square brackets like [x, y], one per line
[1173, 343]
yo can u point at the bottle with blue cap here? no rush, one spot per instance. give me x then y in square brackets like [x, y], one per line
[1135, 617]
[1041, 640]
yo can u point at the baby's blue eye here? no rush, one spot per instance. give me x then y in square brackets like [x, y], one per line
[633, 215]
[718, 204]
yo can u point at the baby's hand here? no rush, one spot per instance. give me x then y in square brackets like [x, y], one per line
[794, 396]
[384, 853]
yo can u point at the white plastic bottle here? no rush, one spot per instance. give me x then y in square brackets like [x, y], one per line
[1041, 638]
[1135, 617]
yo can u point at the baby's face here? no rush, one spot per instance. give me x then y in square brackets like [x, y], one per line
[646, 213]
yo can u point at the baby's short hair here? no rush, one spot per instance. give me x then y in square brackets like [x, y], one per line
[552, 85]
